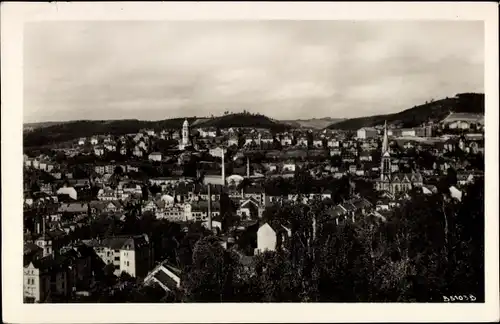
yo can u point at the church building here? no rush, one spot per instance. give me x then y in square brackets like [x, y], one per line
[394, 182]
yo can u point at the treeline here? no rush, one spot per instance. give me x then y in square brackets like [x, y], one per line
[414, 117]
[431, 248]
[244, 119]
[87, 128]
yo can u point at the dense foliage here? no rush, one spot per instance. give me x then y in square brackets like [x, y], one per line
[244, 120]
[67, 131]
[87, 128]
[431, 247]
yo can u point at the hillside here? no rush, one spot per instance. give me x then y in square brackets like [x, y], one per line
[314, 123]
[67, 131]
[41, 124]
[413, 117]
[85, 128]
[244, 120]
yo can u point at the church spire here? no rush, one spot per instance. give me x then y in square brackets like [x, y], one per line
[385, 163]
[385, 140]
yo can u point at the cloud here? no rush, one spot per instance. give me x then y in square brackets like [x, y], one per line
[285, 69]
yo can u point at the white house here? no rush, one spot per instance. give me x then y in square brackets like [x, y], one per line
[289, 167]
[302, 141]
[216, 151]
[455, 193]
[318, 143]
[335, 152]
[333, 143]
[126, 253]
[271, 237]
[234, 179]
[366, 132]
[155, 156]
[99, 151]
[36, 282]
[286, 141]
[110, 147]
[70, 191]
[137, 151]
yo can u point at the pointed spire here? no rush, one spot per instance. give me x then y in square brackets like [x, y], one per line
[385, 140]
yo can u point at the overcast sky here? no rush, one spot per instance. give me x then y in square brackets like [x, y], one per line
[283, 69]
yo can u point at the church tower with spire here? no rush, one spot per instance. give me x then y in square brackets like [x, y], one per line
[394, 183]
[385, 164]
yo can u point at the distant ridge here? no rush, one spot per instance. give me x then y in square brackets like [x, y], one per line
[313, 123]
[244, 119]
[66, 131]
[413, 117]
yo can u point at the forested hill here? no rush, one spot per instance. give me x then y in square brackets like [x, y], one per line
[244, 120]
[413, 117]
[85, 128]
[67, 131]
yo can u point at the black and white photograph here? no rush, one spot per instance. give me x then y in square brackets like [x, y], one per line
[254, 161]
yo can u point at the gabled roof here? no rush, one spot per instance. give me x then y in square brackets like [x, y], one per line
[277, 226]
[30, 248]
[464, 117]
[249, 201]
[73, 207]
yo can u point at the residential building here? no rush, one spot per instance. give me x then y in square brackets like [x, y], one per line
[130, 254]
[272, 236]
[166, 276]
[155, 156]
[366, 132]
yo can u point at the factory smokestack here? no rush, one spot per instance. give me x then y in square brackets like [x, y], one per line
[209, 209]
[248, 167]
[314, 227]
[223, 169]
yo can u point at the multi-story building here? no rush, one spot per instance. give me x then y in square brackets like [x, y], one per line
[130, 254]
[366, 132]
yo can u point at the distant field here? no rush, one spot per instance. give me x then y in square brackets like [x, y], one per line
[315, 123]
[42, 124]
[199, 121]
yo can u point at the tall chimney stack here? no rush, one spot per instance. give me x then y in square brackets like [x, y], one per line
[223, 169]
[248, 167]
[314, 227]
[209, 209]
